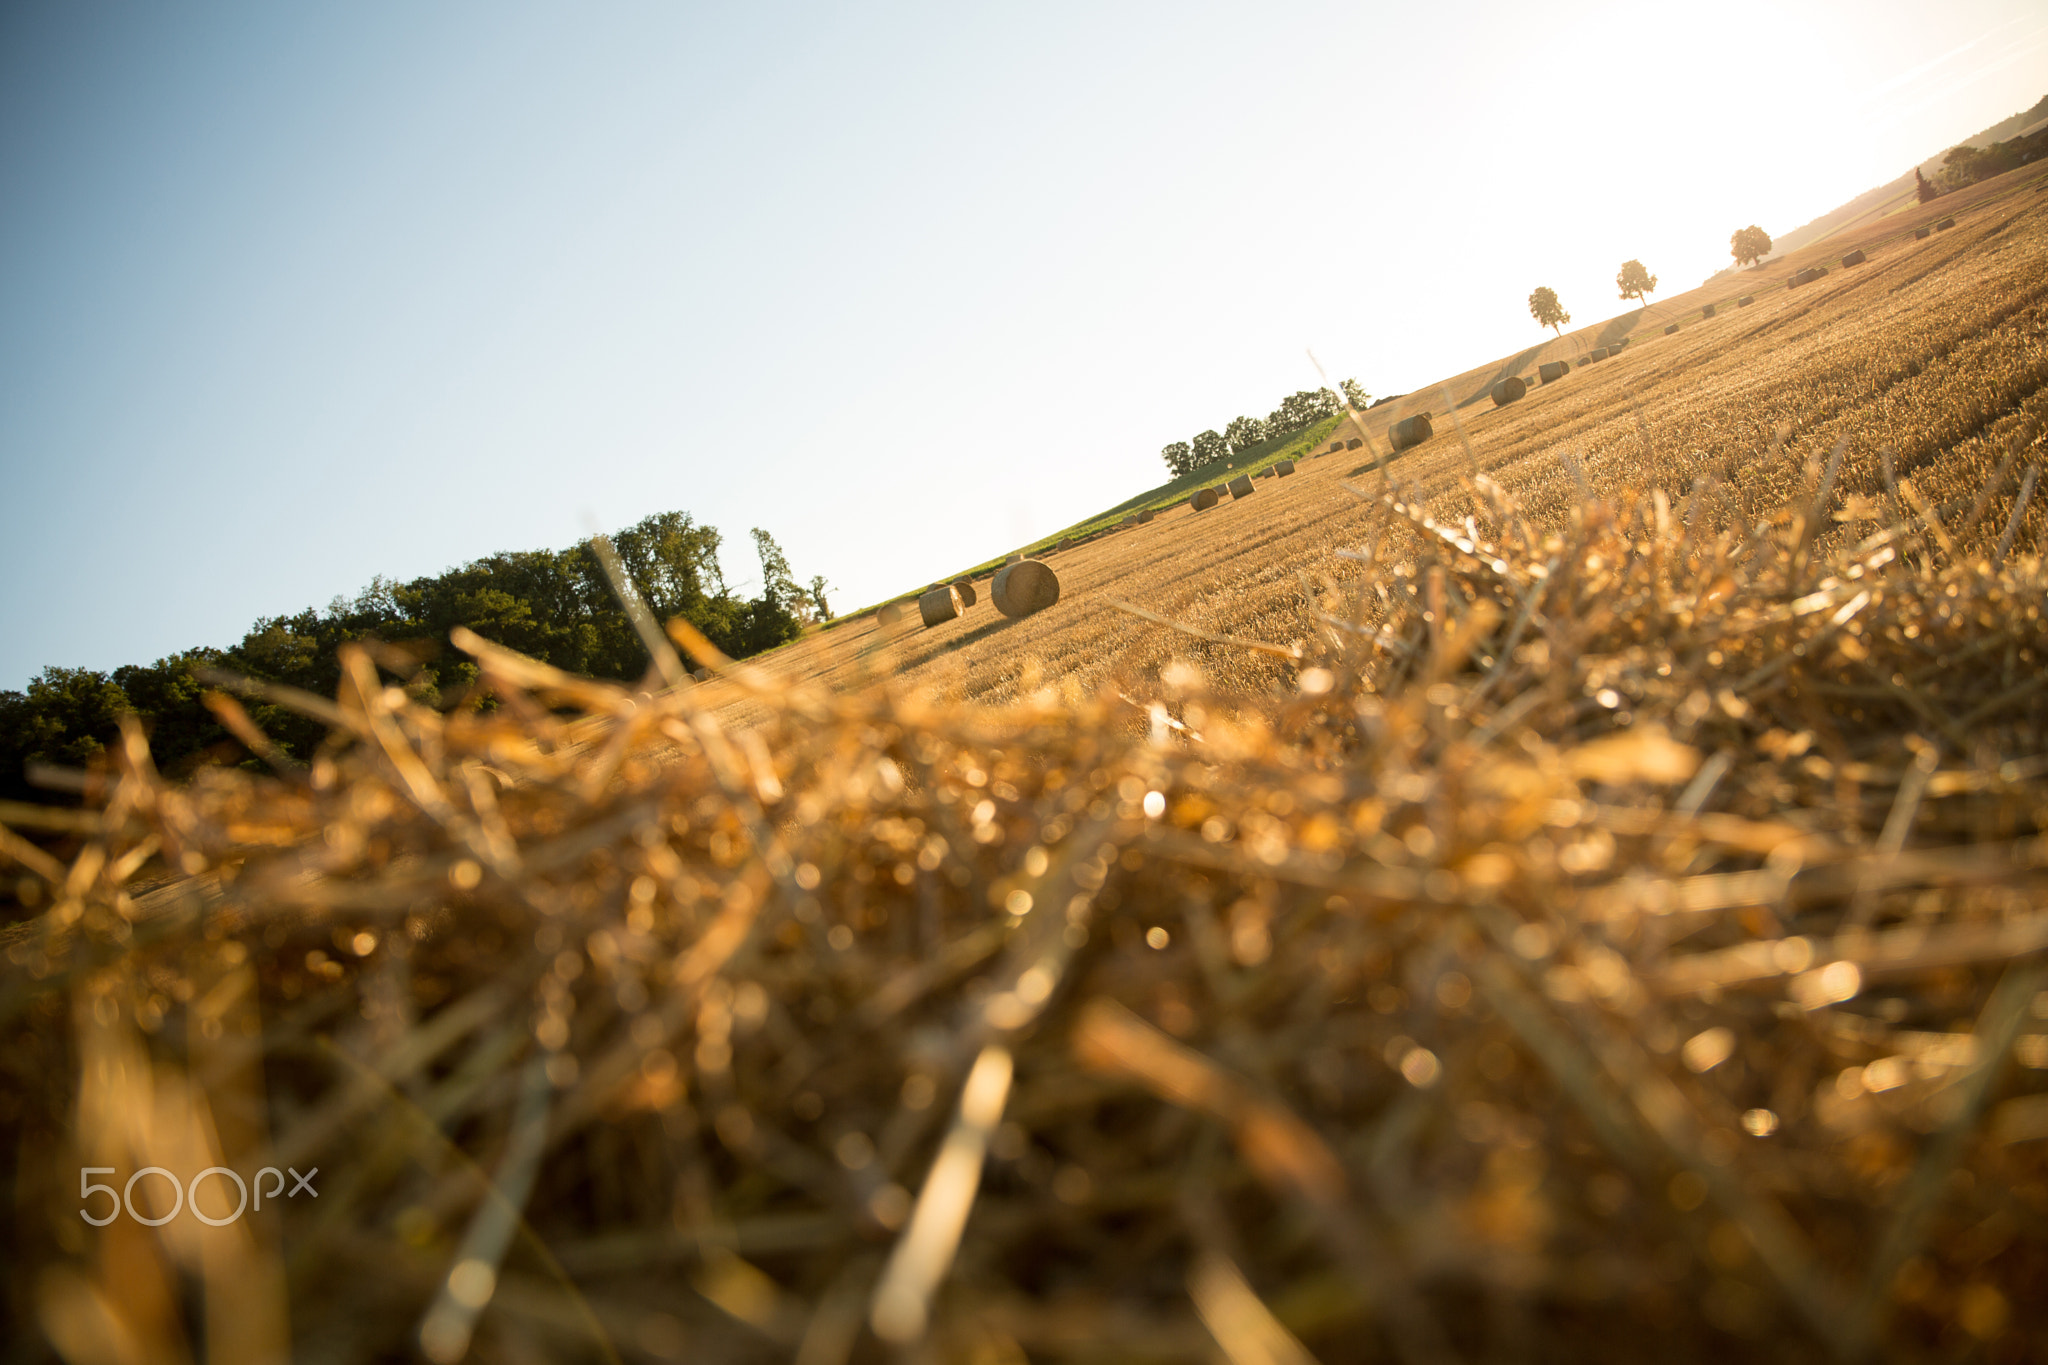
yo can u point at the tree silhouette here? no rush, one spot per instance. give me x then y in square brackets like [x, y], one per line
[1750, 244]
[1635, 282]
[1355, 395]
[1924, 187]
[1179, 458]
[1209, 448]
[1548, 312]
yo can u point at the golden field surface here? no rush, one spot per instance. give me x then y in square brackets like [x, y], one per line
[1572, 892]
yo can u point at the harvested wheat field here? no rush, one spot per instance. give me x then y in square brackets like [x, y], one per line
[1570, 892]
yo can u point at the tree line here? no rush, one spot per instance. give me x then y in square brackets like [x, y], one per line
[557, 606]
[1296, 411]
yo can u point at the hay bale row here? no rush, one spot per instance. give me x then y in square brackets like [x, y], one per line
[1806, 276]
[1509, 390]
[1670, 329]
[1354, 443]
[1855, 257]
[1550, 371]
[1283, 468]
[1146, 516]
[1202, 499]
[1240, 487]
[1745, 301]
[1410, 432]
[1023, 588]
[1944, 225]
[1597, 353]
[1336, 446]
[940, 605]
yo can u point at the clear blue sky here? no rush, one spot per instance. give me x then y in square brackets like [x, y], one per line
[295, 295]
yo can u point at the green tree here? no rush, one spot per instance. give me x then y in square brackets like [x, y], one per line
[1959, 166]
[818, 603]
[1548, 312]
[1749, 244]
[1355, 395]
[1302, 409]
[1635, 282]
[1179, 457]
[1208, 448]
[1243, 433]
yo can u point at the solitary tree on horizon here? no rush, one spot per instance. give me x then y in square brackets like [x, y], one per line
[1635, 282]
[1355, 395]
[1749, 244]
[1548, 312]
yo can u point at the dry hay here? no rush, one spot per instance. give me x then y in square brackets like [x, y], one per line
[965, 587]
[1509, 390]
[1921, 234]
[1597, 353]
[1202, 499]
[1282, 468]
[1671, 329]
[1745, 301]
[1550, 371]
[1529, 967]
[1146, 516]
[1855, 257]
[889, 614]
[1024, 588]
[1240, 487]
[1410, 432]
[1706, 310]
[1944, 225]
[1354, 443]
[939, 606]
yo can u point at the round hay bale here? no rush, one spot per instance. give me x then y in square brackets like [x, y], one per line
[1944, 225]
[1510, 390]
[1672, 328]
[965, 587]
[1706, 310]
[1855, 257]
[1412, 431]
[1922, 234]
[1354, 443]
[1066, 543]
[1336, 445]
[939, 606]
[889, 615]
[1203, 499]
[1550, 371]
[1240, 487]
[702, 675]
[1745, 301]
[1015, 556]
[1597, 353]
[1023, 588]
[1283, 468]
[1146, 516]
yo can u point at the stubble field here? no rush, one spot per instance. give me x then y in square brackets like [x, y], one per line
[1572, 894]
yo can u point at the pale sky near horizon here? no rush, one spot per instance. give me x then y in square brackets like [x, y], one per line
[293, 296]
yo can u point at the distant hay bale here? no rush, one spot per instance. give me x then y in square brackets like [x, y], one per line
[1745, 301]
[1706, 310]
[1354, 443]
[1807, 276]
[1922, 234]
[702, 675]
[1855, 257]
[1336, 446]
[1146, 516]
[889, 615]
[1283, 468]
[1203, 499]
[1672, 328]
[1023, 588]
[1066, 543]
[939, 606]
[1550, 371]
[1240, 487]
[1015, 556]
[1509, 390]
[1409, 432]
[1597, 353]
[1944, 225]
[1265, 473]
[965, 587]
